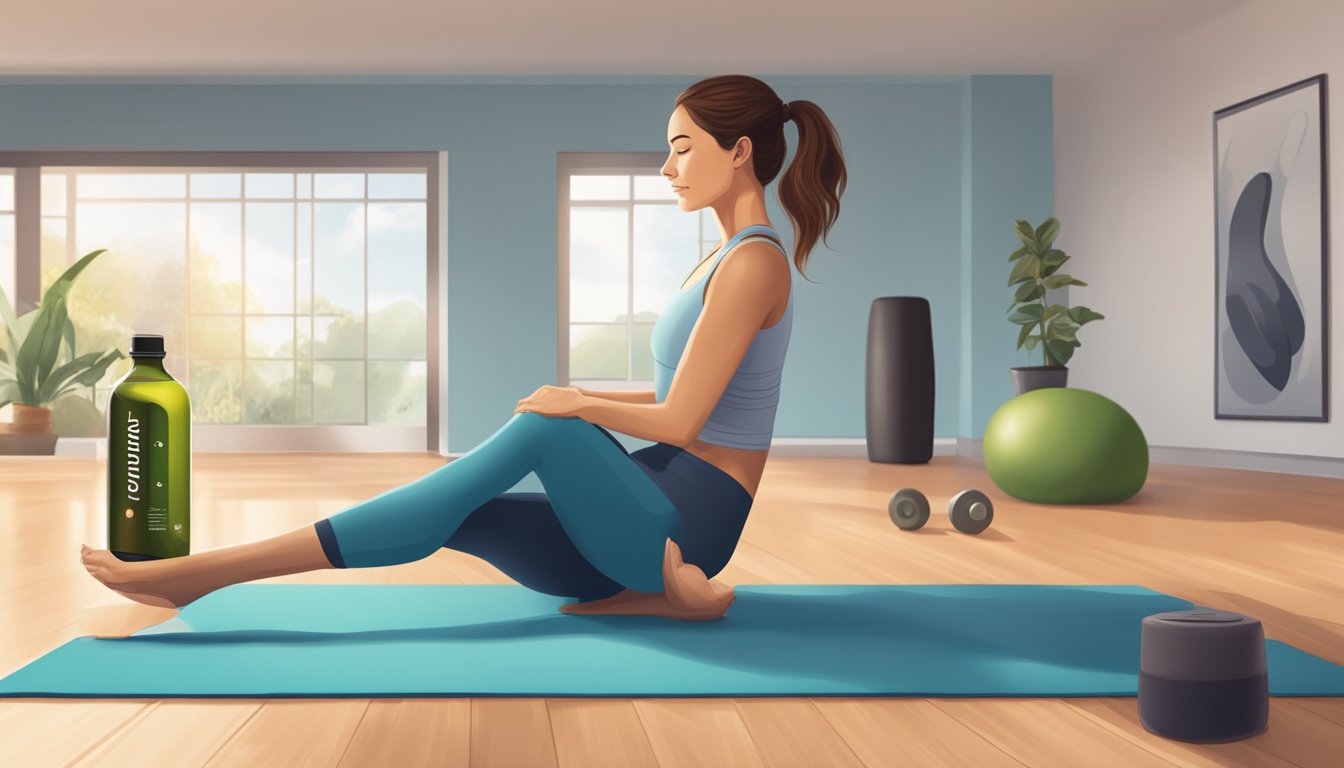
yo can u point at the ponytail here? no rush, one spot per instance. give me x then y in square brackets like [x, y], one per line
[811, 187]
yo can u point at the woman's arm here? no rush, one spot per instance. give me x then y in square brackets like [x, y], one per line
[644, 397]
[646, 421]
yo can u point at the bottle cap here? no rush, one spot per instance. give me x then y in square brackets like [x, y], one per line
[147, 345]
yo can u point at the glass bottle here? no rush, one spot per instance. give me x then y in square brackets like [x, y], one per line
[148, 459]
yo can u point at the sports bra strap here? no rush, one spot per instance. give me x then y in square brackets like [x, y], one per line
[746, 233]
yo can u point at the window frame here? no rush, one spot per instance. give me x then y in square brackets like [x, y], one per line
[600, 163]
[27, 168]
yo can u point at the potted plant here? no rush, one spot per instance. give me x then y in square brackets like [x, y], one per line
[1053, 328]
[30, 376]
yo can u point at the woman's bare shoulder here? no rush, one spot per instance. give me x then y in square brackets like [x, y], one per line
[758, 262]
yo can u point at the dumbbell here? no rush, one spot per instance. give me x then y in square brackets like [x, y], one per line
[970, 510]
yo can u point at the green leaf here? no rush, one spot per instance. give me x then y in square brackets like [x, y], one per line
[1054, 257]
[69, 335]
[1059, 281]
[1045, 234]
[1081, 315]
[61, 376]
[1024, 269]
[1064, 320]
[1027, 292]
[1022, 335]
[1025, 234]
[1054, 310]
[89, 377]
[37, 355]
[1030, 313]
[1059, 351]
[1019, 253]
[11, 325]
[1032, 341]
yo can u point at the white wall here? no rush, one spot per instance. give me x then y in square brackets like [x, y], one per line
[1134, 194]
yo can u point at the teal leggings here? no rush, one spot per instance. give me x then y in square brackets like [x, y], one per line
[617, 517]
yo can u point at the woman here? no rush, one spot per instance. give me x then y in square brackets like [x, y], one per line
[625, 533]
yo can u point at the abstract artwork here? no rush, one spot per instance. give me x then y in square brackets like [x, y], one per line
[1272, 247]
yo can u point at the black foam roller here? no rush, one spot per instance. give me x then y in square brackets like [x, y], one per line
[898, 394]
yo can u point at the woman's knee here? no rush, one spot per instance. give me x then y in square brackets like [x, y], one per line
[532, 420]
[542, 428]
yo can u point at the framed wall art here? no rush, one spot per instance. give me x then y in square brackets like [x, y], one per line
[1271, 271]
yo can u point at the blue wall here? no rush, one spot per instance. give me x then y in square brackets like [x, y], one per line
[938, 169]
[1007, 129]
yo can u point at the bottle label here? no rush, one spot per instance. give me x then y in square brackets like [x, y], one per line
[139, 461]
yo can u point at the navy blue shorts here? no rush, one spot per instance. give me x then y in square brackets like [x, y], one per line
[519, 533]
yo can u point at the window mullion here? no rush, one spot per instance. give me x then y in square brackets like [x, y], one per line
[27, 238]
[186, 345]
[294, 303]
[242, 317]
[366, 298]
[630, 282]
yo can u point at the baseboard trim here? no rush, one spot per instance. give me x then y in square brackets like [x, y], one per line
[1293, 464]
[842, 447]
[1255, 461]
[857, 447]
[82, 447]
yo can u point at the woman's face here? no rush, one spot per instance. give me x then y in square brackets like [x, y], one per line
[699, 170]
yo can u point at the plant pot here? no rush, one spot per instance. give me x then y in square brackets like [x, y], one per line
[1029, 377]
[28, 418]
[28, 443]
[29, 434]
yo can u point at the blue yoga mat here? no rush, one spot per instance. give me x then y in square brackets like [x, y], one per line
[313, 640]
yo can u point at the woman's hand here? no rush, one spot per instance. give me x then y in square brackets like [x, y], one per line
[552, 401]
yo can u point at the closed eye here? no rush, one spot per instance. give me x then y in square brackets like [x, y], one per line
[684, 151]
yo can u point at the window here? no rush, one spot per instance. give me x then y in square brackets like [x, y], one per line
[626, 247]
[289, 294]
[7, 234]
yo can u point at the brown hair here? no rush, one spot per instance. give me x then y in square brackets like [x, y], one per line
[729, 107]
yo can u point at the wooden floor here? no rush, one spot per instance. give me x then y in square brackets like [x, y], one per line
[1266, 545]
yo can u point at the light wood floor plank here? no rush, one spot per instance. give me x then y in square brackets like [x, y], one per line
[1016, 726]
[409, 733]
[790, 732]
[694, 732]
[599, 733]
[184, 733]
[1331, 709]
[56, 732]
[510, 732]
[894, 733]
[302, 733]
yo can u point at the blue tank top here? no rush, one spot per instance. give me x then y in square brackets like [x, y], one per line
[745, 414]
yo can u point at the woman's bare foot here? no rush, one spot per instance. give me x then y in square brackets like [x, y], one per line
[151, 582]
[175, 581]
[688, 595]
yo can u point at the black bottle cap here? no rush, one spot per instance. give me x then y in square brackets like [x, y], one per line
[147, 345]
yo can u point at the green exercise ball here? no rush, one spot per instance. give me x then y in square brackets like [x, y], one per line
[1062, 445]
